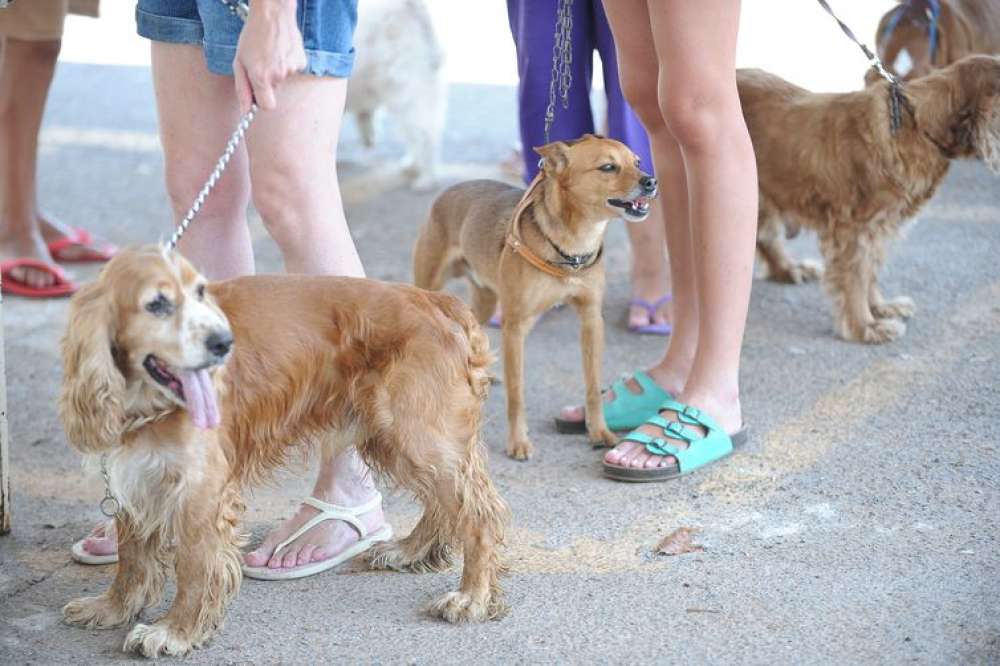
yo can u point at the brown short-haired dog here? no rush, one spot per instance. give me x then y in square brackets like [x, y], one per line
[917, 36]
[535, 249]
[193, 391]
[829, 162]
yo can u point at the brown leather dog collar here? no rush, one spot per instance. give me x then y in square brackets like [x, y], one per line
[521, 249]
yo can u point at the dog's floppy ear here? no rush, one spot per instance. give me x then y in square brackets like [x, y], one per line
[554, 157]
[91, 404]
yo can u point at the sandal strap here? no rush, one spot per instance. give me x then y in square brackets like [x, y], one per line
[327, 511]
[700, 450]
[655, 445]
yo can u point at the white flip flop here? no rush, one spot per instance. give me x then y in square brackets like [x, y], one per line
[81, 555]
[326, 512]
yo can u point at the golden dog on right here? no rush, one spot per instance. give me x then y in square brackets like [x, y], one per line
[829, 162]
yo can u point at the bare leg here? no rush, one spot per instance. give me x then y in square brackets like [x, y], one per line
[293, 167]
[701, 131]
[25, 76]
[650, 268]
[198, 112]
[295, 188]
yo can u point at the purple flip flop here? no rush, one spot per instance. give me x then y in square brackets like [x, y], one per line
[652, 329]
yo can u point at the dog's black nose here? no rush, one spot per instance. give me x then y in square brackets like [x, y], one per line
[648, 183]
[219, 343]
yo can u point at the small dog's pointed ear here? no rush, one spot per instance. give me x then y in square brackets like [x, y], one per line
[554, 157]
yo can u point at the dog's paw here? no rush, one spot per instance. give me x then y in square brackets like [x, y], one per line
[457, 607]
[897, 308]
[603, 438]
[152, 640]
[800, 272]
[807, 270]
[519, 449]
[94, 613]
[880, 331]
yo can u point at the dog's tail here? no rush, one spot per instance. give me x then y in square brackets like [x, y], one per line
[431, 259]
[479, 357]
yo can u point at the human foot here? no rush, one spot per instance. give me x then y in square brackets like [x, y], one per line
[70, 244]
[28, 246]
[650, 317]
[626, 404]
[330, 539]
[680, 437]
[98, 547]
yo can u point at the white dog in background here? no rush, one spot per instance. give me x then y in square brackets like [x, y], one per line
[399, 68]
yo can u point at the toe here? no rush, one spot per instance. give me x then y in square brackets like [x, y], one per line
[639, 460]
[257, 558]
[617, 454]
[305, 555]
[290, 558]
[572, 413]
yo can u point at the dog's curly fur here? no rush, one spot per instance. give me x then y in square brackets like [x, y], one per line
[398, 372]
[829, 162]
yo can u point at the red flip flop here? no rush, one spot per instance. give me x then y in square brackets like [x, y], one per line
[62, 286]
[80, 238]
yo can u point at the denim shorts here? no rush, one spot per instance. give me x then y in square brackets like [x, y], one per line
[327, 28]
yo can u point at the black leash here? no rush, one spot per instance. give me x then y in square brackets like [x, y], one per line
[897, 99]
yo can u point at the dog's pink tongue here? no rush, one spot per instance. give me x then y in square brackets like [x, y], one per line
[199, 398]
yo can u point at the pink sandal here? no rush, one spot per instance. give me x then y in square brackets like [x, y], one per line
[84, 239]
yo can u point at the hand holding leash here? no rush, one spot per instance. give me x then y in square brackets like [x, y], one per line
[269, 51]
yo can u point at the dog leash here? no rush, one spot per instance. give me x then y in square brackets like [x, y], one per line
[897, 100]
[241, 9]
[110, 506]
[562, 61]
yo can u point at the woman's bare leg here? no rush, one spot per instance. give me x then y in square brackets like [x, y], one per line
[712, 255]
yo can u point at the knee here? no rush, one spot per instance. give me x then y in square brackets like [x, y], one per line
[642, 97]
[279, 195]
[184, 179]
[697, 121]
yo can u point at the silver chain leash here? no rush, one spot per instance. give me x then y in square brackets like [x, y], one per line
[110, 506]
[239, 8]
[220, 166]
[562, 61]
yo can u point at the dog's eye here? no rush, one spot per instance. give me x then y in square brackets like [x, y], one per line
[200, 291]
[637, 162]
[608, 168]
[160, 306]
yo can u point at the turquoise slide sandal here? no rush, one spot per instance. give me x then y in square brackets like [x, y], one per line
[628, 410]
[700, 450]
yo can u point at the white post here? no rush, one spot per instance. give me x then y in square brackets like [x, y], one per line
[4, 459]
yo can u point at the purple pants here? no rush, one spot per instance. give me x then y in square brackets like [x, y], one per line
[533, 24]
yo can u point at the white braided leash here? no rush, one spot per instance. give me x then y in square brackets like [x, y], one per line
[220, 166]
[241, 10]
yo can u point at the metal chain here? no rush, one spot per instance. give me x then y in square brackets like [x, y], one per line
[239, 8]
[562, 62]
[110, 506]
[897, 100]
[220, 166]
